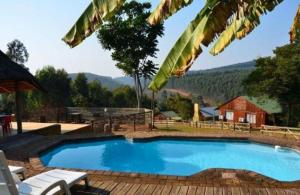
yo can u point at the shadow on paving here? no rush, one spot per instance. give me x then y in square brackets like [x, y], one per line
[16, 141]
[81, 190]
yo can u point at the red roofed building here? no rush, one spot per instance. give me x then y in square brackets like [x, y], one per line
[248, 109]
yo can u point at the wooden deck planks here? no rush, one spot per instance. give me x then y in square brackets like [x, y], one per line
[174, 190]
[245, 191]
[166, 189]
[290, 192]
[227, 191]
[141, 189]
[254, 191]
[209, 190]
[111, 187]
[150, 189]
[122, 188]
[183, 190]
[235, 191]
[280, 191]
[218, 191]
[192, 190]
[125, 189]
[102, 186]
[200, 190]
[158, 190]
[133, 189]
[118, 188]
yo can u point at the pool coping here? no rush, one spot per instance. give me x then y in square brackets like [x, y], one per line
[220, 176]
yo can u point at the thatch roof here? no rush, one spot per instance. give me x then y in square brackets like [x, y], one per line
[11, 72]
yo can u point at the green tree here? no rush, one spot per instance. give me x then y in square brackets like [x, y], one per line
[124, 97]
[133, 42]
[98, 95]
[80, 90]
[278, 77]
[181, 105]
[17, 52]
[57, 85]
[7, 103]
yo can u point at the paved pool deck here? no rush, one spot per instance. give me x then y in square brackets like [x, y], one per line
[210, 182]
[29, 127]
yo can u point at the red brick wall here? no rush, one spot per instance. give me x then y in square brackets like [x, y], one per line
[240, 107]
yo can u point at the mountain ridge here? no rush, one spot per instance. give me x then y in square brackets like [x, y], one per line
[228, 70]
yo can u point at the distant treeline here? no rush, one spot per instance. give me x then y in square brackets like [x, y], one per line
[62, 91]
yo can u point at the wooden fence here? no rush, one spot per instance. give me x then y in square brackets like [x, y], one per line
[295, 132]
[205, 125]
[219, 125]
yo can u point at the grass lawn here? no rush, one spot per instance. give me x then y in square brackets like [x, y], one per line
[187, 128]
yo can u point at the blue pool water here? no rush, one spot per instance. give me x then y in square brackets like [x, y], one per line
[175, 157]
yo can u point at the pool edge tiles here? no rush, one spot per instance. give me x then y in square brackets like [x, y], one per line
[177, 160]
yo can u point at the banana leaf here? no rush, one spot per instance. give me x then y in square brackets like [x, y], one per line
[91, 19]
[187, 48]
[243, 24]
[166, 8]
[295, 29]
[215, 18]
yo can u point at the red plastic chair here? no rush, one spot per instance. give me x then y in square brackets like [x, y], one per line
[6, 125]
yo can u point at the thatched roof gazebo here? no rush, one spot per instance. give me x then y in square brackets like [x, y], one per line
[15, 78]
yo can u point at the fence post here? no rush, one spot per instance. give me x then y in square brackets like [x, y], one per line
[152, 120]
[233, 126]
[285, 132]
[134, 122]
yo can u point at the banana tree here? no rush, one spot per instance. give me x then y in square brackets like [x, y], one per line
[295, 30]
[219, 23]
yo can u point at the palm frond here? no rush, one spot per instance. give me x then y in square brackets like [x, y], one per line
[91, 19]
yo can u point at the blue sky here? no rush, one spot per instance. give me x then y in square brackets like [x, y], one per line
[40, 25]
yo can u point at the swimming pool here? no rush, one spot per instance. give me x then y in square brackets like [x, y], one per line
[175, 157]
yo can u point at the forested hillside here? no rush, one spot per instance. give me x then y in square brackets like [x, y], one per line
[107, 82]
[238, 66]
[216, 85]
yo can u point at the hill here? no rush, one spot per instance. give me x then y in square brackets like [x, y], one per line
[238, 66]
[125, 80]
[233, 67]
[214, 85]
[108, 82]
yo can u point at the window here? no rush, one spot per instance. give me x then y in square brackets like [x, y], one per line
[251, 118]
[229, 116]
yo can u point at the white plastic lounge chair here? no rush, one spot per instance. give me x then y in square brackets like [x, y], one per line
[46, 183]
[17, 170]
